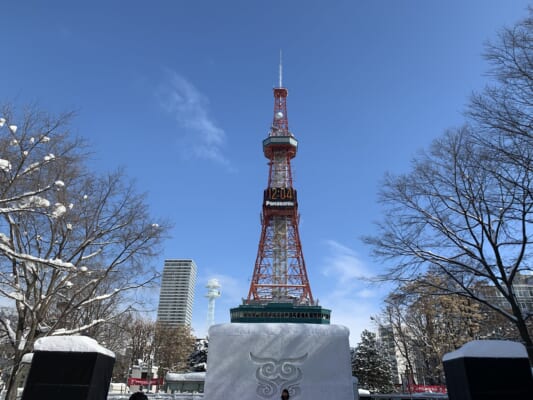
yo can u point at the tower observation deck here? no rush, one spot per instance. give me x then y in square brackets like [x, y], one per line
[280, 289]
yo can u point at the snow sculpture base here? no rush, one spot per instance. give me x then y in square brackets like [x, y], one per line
[68, 368]
[488, 370]
[258, 361]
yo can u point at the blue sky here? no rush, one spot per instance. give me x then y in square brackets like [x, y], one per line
[180, 94]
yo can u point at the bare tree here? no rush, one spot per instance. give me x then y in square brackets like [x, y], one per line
[505, 106]
[427, 324]
[455, 212]
[465, 208]
[72, 244]
[172, 348]
[502, 114]
[141, 334]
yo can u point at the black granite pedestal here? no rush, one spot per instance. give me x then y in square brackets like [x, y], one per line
[68, 375]
[496, 372]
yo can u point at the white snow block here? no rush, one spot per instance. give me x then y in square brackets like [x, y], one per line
[258, 361]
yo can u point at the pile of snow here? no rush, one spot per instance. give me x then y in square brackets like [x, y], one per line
[35, 201]
[59, 210]
[57, 262]
[16, 296]
[74, 344]
[31, 167]
[488, 349]
[4, 238]
[188, 376]
[26, 358]
[5, 165]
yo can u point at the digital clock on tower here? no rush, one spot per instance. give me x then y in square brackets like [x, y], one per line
[280, 196]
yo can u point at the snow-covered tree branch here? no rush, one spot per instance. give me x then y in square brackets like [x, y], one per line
[73, 243]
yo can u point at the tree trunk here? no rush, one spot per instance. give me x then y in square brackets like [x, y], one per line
[11, 392]
[529, 349]
[526, 337]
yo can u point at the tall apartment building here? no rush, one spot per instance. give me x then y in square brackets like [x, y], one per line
[385, 339]
[523, 289]
[177, 292]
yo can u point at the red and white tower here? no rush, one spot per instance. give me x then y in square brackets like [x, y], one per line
[279, 273]
[280, 276]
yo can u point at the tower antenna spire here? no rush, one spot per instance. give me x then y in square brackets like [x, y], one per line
[280, 70]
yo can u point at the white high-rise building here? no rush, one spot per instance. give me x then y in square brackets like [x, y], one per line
[177, 292]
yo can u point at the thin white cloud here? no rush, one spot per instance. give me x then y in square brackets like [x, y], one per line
[366, 293]
[355, 315]
[352, 299]
[344, 264]
[202, 138]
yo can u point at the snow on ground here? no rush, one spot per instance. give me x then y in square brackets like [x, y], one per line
[188, 376]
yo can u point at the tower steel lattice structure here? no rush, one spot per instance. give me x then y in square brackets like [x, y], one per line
[279, 289]
[280, 274]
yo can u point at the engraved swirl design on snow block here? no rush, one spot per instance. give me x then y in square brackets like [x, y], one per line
[275, 375]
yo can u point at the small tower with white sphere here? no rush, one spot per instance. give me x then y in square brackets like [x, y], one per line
[213, 291]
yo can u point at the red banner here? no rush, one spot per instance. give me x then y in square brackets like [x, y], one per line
[143, 382]
[427, 388]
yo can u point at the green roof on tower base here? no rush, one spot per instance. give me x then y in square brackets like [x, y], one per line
[280, 312]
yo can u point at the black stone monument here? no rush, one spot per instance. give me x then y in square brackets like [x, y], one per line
[69, 370]
[489, 370]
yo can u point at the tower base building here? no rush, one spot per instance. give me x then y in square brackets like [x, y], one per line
[280, 312]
